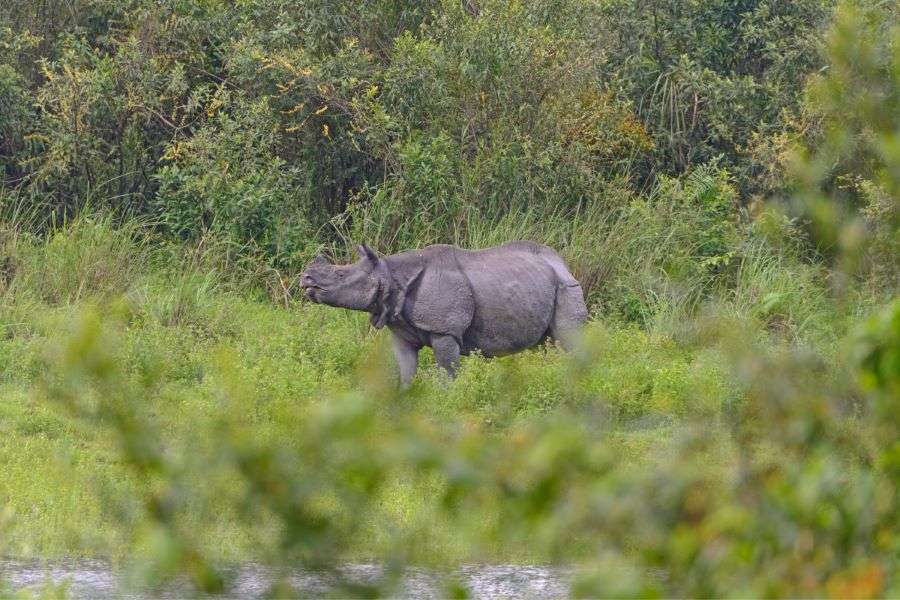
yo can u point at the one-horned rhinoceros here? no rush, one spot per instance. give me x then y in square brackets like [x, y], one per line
[498, 300]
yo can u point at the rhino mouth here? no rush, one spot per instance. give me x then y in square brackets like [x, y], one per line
[313, 291]
[308, 284]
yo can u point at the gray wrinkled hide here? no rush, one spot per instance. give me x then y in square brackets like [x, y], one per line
[498, 300]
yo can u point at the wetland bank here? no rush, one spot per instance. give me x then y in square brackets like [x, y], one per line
[721, 180]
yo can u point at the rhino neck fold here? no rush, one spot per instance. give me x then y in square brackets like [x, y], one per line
[381, 307]
[396, 280]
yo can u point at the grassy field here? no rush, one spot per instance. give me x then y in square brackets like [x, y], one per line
[192, 333]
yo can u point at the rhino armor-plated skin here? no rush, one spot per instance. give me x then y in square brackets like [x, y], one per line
[497, 301]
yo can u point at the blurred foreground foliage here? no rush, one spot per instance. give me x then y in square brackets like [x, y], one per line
[806, 504]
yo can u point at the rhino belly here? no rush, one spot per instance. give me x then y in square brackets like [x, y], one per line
[513, 310]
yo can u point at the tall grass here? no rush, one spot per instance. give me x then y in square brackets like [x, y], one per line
[657, 260]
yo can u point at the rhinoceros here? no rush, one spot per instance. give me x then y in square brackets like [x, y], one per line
[497, 300]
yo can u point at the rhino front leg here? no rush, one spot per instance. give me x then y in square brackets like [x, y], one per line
[446, 353]
[407, 357]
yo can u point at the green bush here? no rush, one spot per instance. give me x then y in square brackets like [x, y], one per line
[225, 181]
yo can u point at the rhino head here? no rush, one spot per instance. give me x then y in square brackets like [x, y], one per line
[363, 285]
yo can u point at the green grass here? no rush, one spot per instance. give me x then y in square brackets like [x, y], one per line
[289, 359]
[198, 336]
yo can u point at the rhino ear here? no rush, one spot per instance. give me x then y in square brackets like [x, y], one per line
[320, 260]
[367, 253]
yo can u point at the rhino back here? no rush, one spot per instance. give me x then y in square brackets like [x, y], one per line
[514, 288]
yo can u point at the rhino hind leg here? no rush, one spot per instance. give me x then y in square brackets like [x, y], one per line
[569, 315]
[446, 352]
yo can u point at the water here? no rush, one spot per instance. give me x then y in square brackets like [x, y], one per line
[92, 579]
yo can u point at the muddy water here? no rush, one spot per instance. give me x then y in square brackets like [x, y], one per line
[97, 579]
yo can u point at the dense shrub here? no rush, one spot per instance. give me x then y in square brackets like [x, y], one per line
[712, 78]
[227, 180]
[410, 125]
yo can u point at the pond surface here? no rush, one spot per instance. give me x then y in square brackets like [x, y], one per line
[98, 580]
